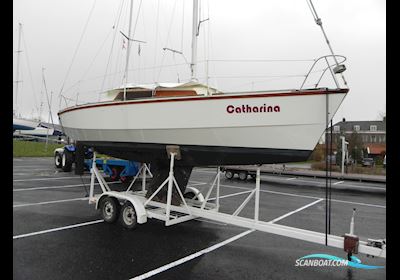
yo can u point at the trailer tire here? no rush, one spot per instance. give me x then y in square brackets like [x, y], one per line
[128, 217]
[57, 160]
[109, 207]
[67, 161]
[243, 175]
[229, 174]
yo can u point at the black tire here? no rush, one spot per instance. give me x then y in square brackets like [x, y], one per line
[128, 217]
[57, 160]
[109, 207]
[229, 174]
[243, 175]
[190, 195]
[67, 160]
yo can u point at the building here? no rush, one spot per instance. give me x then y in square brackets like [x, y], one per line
[366, 136]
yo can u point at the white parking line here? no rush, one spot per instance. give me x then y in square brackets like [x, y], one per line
[289, 179]
[212, 248]
[305, 196]
[50, 202]
[295, 211]
[59, 187]
[337, 183]
[50, 178]
[57, 229]
[191, 257]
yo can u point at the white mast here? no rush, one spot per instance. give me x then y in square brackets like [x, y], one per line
[128, 50]
[17, 81]
[194, 39]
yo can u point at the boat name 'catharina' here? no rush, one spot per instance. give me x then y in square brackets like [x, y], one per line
[252, 109]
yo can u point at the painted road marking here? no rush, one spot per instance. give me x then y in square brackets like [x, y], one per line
[50, 202]
[212, 248]
[57, 229]
[337, 183]
[305, 196]
[60, 187]
[289, 179]
[295, 211]
[190, 257]
[50, 178]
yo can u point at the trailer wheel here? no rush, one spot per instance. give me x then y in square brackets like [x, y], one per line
[57, 160]
[66, 161]
[109, 209]
[128, 216]
[243, 175]
[229, 174]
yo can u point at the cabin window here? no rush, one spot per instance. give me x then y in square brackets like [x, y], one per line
[131, 95]
[174, 93]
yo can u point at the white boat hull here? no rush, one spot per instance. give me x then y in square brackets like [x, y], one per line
[295, 121]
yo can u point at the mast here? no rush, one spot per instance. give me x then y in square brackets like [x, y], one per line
[17, 69]
[128, 49]
[194, 39]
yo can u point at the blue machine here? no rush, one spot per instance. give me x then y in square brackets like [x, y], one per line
[117, 169]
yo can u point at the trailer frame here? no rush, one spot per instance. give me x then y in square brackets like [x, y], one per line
[198, 206]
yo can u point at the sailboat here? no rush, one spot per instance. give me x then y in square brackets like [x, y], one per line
[19, 123]
[210, 127]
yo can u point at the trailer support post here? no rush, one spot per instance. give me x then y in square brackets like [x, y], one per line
[257, 198]
[92, 177]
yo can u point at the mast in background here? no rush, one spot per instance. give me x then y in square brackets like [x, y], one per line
[17, 81]
[194, 39]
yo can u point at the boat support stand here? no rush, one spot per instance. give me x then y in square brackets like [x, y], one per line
[195, 205]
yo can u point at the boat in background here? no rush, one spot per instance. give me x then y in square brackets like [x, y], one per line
[24, 124]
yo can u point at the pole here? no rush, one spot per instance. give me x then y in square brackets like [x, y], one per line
[17, 81]
[194, 38]
[343, 152]
[128, 49]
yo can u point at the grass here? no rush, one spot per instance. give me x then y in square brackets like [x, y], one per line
[34, 149]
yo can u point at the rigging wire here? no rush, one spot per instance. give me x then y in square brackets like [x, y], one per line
[115, 27]
[77, 48]
[166, 43]
[318, 21]
[94, 59]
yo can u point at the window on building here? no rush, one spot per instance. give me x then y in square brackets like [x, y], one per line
[336, 128]
[356, 128]
[372, 128]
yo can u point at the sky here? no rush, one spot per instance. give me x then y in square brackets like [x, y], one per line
[73, 50]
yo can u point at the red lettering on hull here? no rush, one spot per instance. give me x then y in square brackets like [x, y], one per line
[252, 109]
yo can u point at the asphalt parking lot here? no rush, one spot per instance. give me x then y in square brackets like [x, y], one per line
[58, 235]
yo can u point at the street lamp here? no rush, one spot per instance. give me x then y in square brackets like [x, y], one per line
[344, 151]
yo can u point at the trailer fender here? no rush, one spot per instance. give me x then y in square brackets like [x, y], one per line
[196, 192]
[139, 208]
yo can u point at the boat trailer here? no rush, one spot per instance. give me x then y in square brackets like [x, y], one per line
[133, 208]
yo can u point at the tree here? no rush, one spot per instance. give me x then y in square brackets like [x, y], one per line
[355, 146]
